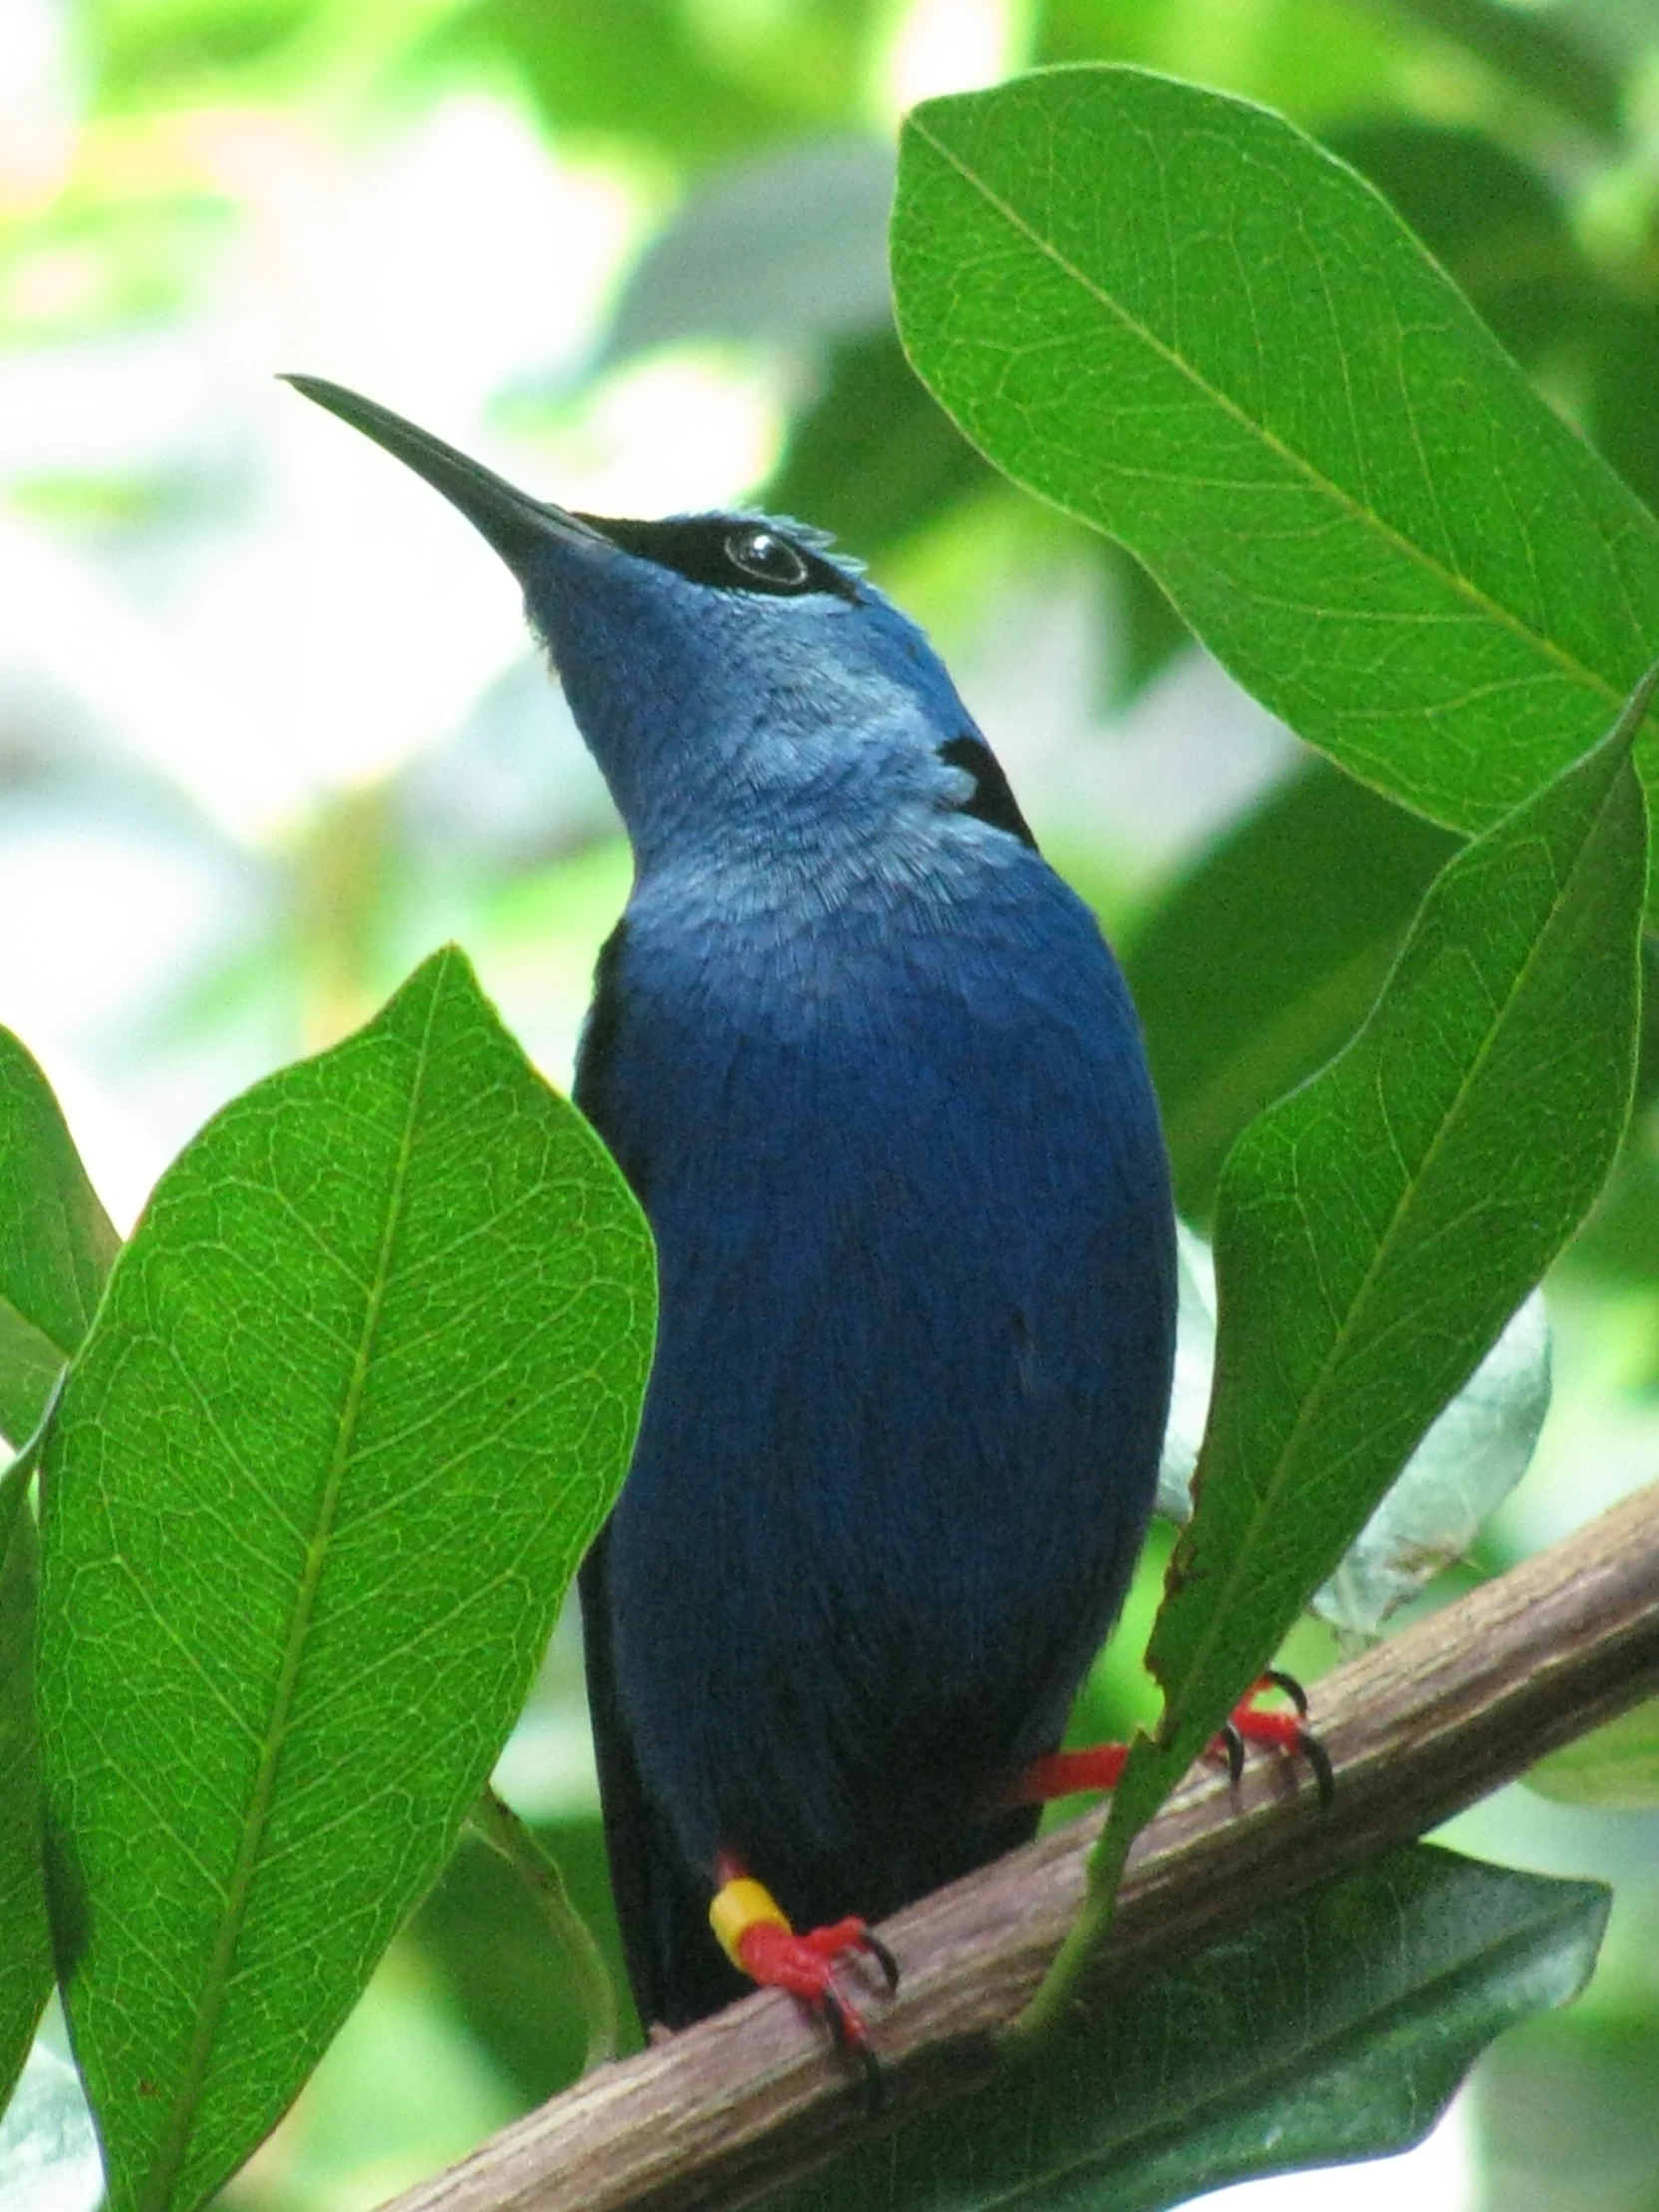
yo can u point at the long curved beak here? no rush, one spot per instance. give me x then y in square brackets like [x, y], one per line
[514, 523]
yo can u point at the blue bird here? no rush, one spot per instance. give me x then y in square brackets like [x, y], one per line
[875, 1079]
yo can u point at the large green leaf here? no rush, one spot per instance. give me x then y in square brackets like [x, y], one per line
[1336, 2027]
[1376, 1229]
[1266, 958]
[25, 1946]
[362, 1386]
[56, 1243]
[1176, 316]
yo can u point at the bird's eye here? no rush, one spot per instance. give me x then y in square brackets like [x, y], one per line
[767, 557]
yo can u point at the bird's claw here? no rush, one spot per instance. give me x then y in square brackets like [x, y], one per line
[1274, 1678]
[853, 1935]
[775, 1958]
[883, 1958]
[1248, 1723]
[851, 2040]
[1229, 1745]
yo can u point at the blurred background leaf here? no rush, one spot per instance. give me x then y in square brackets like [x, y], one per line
[1337, 2027]
[481, 1928]
[56, 1243]
[1262, 962]
[1616, 1766]
[26, 1954]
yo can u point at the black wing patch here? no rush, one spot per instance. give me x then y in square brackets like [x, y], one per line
[991, 799]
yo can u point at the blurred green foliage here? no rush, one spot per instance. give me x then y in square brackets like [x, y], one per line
[482, 1927]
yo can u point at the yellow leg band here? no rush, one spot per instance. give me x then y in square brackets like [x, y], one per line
[737, 1906]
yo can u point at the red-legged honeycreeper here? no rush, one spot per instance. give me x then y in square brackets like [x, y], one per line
[877, 1082]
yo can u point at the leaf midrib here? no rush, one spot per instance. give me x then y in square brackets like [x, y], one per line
[1460, 586]
[1343, 1338]
[164, 2171]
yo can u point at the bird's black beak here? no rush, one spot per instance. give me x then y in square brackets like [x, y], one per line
[514, 523]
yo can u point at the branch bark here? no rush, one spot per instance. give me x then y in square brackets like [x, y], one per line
[1417, 1729]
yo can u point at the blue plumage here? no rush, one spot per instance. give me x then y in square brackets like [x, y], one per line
[877, 1083]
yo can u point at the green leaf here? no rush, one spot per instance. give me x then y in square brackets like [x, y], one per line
[56, 1243]
[1336, 2027]
[1455, 1481]
[1615, 1767]
[1174, 315]
[1463, 1469]
[363, 1385]
[1266, 958]
[1376, 1229]
[25, 1943]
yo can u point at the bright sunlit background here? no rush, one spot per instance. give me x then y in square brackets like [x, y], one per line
[271, 728]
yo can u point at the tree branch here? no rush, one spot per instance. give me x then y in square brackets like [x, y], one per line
[1417, 1729]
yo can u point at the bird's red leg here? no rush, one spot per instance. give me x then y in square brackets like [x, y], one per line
[1100, 1766]
[1248, 1724]
[754, 1932]
[1065, 1773]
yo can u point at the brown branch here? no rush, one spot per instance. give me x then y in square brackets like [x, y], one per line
[1417, 1729]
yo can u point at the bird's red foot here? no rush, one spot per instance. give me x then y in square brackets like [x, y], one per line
[776, 1957]
[1250, 1723]
[1100, 1766]
[757, 1938]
